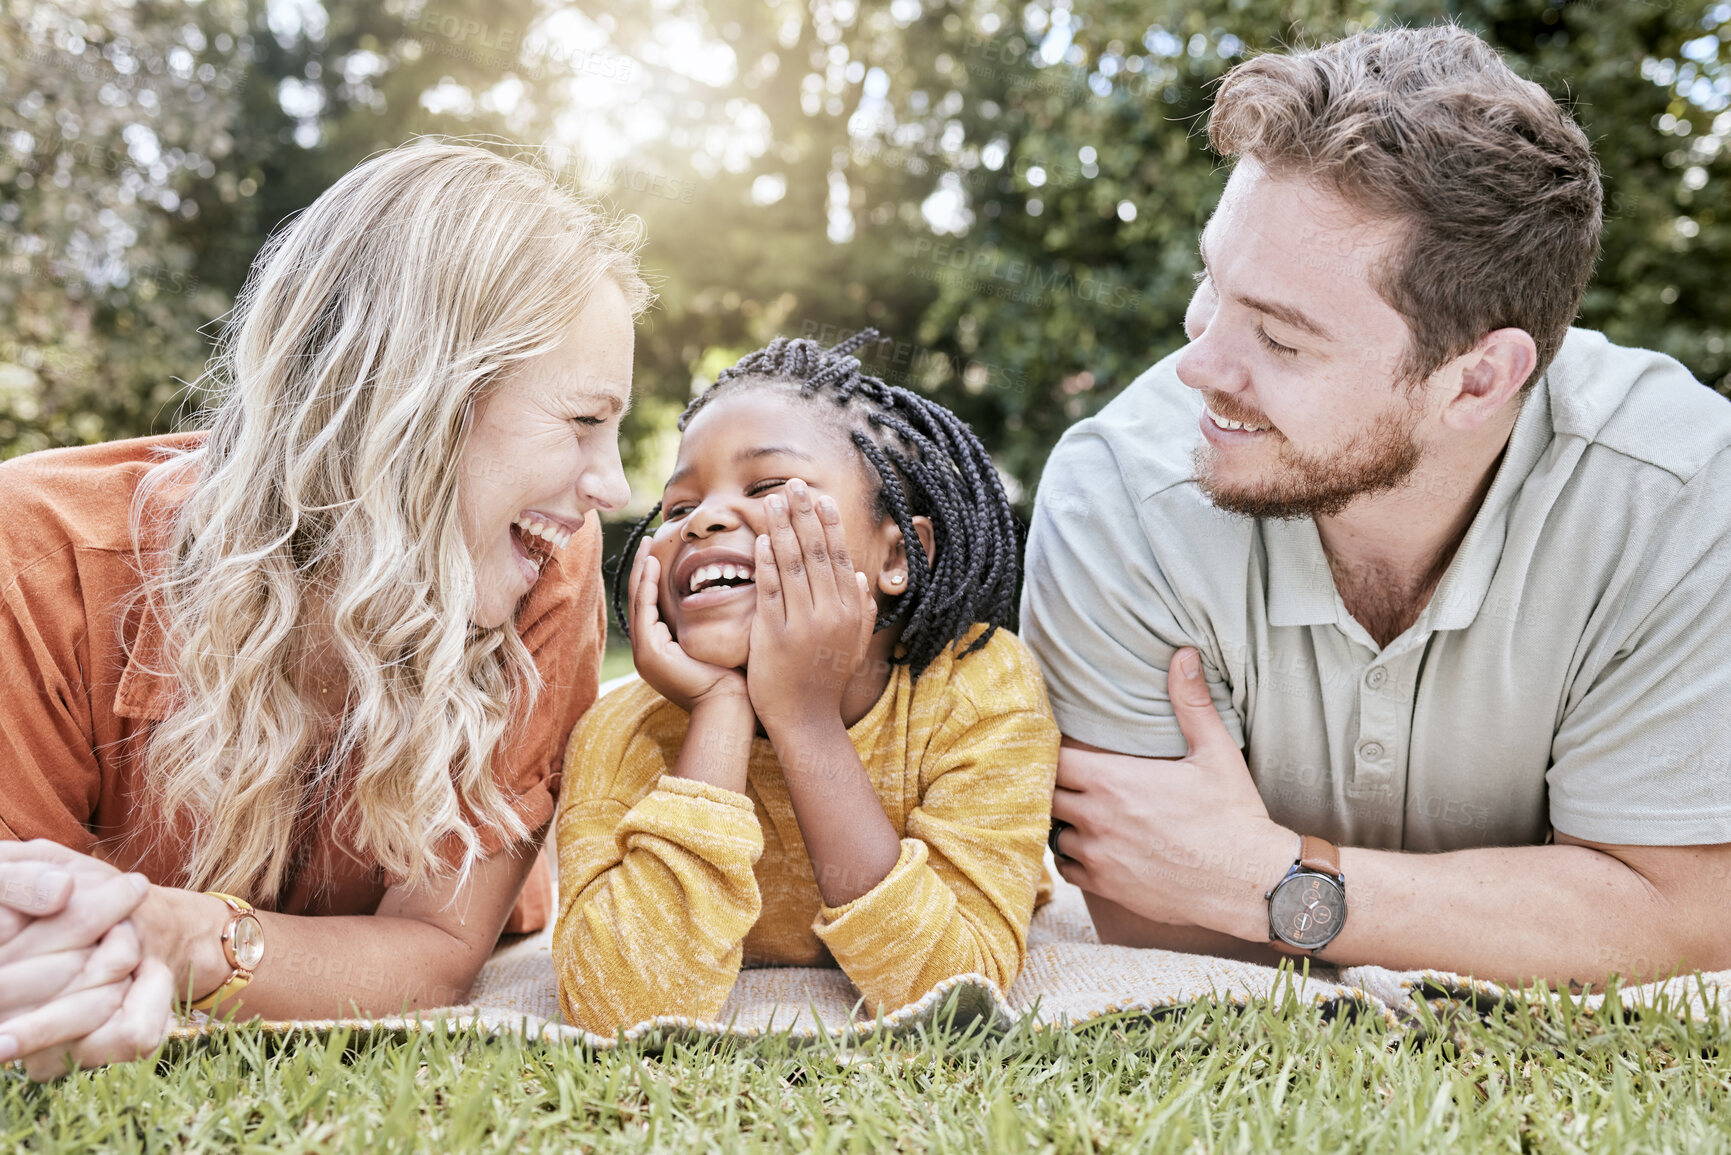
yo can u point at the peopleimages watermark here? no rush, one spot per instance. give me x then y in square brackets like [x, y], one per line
[80, 152]
[151, 62]
[1039, 174]
[618, 176]
[463, 37]
[989, 273]
[52, 268]
[996, 58]
[904, 363]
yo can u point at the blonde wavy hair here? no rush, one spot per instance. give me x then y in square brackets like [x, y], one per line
[345, 382]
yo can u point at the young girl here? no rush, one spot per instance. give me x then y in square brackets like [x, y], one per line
[838, 751]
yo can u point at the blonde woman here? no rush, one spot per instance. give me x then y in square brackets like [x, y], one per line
[286, 697]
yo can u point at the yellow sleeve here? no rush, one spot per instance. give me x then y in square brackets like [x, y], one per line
[656, 891]
[959, 898]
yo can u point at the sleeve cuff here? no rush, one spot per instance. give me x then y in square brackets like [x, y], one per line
[534, 807]
[1635, 827]
[889, 915]
[692, 788]
[1151, 737]
[719, 826]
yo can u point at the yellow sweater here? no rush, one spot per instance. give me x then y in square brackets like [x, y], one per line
[667, 886]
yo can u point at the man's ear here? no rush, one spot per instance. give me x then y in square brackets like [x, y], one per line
[893, 579]
[1491, 372]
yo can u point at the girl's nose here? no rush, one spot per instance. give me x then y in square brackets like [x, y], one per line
[707, 519]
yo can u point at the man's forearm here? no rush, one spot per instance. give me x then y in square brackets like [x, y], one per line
[1564, 914]
[1201, 850]
[1120, 927]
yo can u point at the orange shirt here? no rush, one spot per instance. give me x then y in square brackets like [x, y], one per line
[78, 695]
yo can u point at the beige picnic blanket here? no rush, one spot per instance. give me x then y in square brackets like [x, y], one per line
[1069, 979]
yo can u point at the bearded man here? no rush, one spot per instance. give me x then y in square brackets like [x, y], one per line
[1387, 619]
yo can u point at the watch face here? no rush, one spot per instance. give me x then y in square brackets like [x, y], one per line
[247, 942]
[1307, 910]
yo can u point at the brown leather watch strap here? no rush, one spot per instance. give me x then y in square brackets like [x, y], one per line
[1319, 854]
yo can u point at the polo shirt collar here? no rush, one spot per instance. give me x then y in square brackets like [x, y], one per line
[1301, 588]
[1300, 584]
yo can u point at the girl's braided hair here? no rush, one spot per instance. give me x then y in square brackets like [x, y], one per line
[928, 462]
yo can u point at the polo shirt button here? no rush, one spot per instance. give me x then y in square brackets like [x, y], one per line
[1376, 677]
[1370, 751]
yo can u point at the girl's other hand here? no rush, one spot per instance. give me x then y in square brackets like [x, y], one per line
[814, 615]
[669, 670]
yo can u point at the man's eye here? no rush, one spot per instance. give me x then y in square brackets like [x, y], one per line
[589, 422]
[1272, 345]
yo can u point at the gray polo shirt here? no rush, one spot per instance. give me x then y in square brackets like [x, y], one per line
[1573, 668]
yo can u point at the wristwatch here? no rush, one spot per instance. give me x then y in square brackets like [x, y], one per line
[242, 945]
[1307, 908]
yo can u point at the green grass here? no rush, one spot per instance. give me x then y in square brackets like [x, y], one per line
[1211, 1078]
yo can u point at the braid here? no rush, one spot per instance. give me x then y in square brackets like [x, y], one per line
[620, 568]
[928, 463]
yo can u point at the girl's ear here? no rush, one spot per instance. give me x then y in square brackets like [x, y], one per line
[893, 578]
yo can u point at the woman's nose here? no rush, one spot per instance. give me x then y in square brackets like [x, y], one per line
[604, 484]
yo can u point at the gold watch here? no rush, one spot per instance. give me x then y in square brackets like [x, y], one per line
[242, 945]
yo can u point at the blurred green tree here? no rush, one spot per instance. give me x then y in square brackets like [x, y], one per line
[1010, 194]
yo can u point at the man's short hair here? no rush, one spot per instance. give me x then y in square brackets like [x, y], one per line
[1427, 126]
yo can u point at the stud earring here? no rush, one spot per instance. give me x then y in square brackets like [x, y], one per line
[895, 579]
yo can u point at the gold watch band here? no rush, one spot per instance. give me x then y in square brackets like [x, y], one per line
[237, 978]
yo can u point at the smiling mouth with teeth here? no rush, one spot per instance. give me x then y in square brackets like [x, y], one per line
[1226, 423]
[723, 576]
[540, 539]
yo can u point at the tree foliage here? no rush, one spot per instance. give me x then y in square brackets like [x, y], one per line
[1011, 195]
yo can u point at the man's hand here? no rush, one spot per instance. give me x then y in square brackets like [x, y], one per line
[1179, 852]
[1185, 842]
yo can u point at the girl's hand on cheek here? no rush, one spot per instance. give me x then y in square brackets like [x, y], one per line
[814, 617]
[669, 670]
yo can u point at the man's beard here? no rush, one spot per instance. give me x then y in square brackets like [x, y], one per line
[1378, 459]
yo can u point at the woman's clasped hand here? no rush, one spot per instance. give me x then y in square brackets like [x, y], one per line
[77, 987]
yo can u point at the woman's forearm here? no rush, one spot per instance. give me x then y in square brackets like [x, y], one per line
[356, 965]
[423, 948]
[325, 967]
